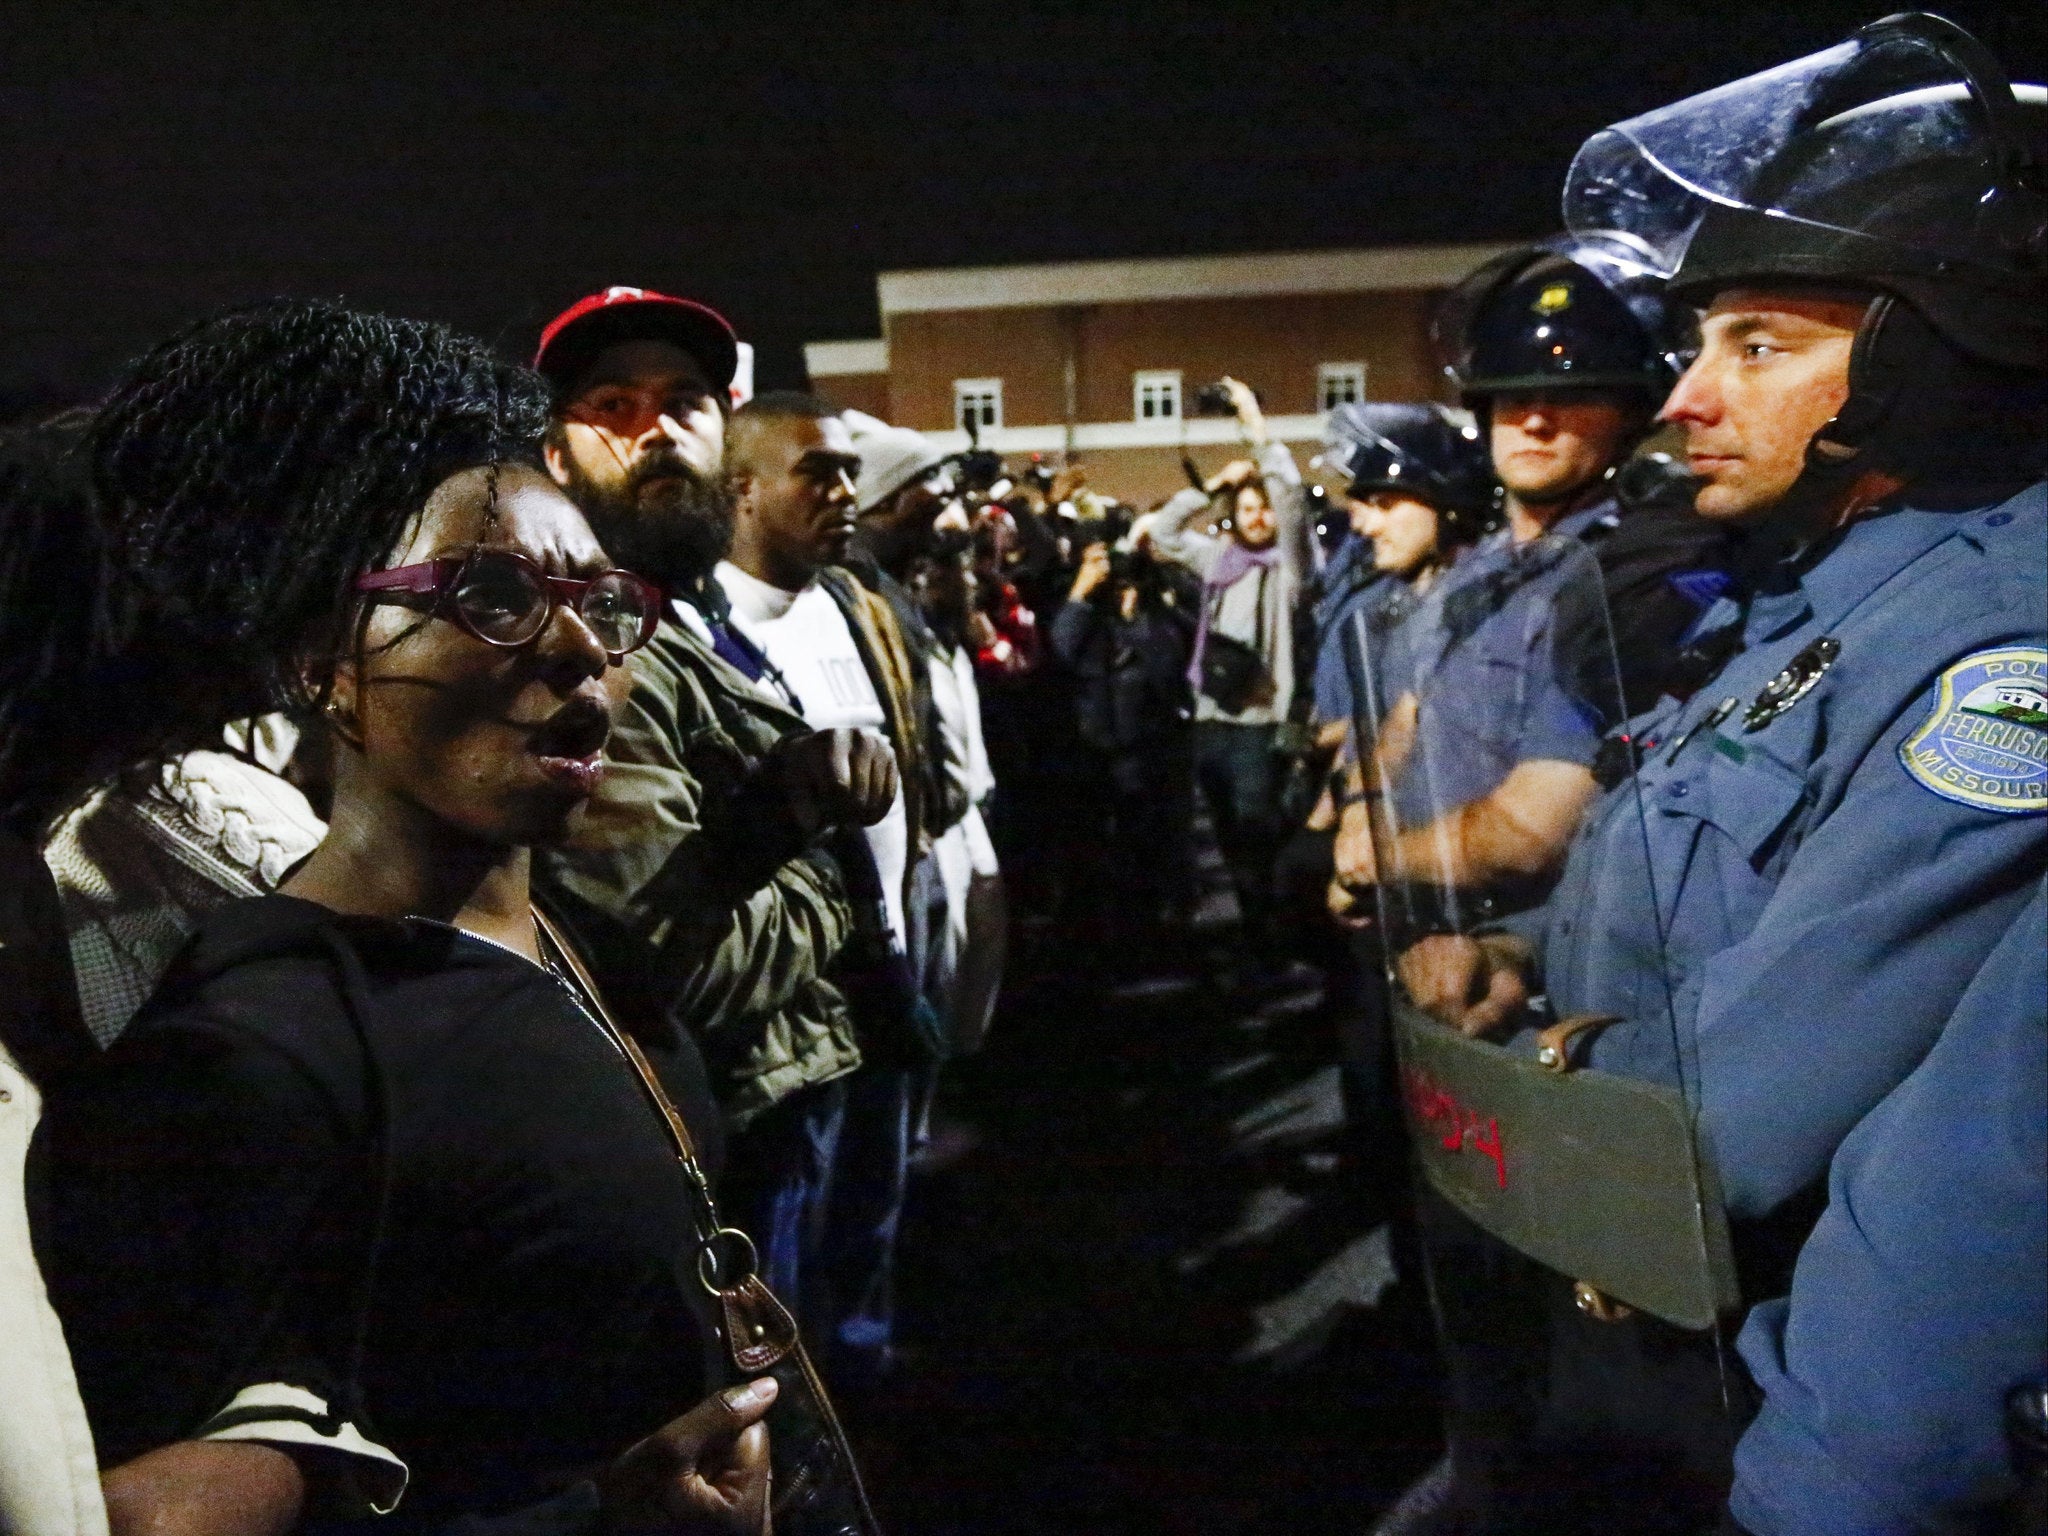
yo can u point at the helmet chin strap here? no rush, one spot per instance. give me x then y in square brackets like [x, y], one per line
[1920, 412]
[1880, 368]
[1892, 349]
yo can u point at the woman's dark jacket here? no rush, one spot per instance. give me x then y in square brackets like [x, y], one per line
[392, 1164]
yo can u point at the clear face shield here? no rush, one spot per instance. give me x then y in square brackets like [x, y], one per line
[1905, 145]
[1499, 677]
[1375, 462]
[1356, 451]
[1331, 467]
[1490, 730]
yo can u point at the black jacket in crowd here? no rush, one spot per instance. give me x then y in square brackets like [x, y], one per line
[1133, 690]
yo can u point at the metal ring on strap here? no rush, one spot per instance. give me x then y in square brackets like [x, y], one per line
[1598, 1305]
[1554, 1045]
[731, 1243]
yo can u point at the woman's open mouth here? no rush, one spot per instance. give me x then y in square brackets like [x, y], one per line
[569, 748]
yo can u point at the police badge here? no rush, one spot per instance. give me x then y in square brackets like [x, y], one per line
[1985, 743]
[1792, 684]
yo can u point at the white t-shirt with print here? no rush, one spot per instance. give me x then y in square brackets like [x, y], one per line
[811, 645]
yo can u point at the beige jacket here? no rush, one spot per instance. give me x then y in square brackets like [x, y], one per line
[49, 1477]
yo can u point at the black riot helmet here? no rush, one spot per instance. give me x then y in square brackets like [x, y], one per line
[1903, 159]
[1573, 312]
[1425, 451]
[1902, 164]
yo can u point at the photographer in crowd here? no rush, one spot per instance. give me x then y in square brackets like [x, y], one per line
[1127, 648]
[1254, 571]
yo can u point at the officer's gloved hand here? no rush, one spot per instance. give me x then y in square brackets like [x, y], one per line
[1476, 986]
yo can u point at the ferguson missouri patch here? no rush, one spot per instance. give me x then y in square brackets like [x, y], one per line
[1985, 743]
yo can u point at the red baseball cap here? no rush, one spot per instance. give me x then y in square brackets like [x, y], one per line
[574, 338]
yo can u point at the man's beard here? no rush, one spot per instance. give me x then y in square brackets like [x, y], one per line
[666, 522]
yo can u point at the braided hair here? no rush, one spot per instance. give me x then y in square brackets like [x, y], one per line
[253, 464]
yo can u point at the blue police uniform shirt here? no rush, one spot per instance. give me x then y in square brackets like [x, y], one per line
[1918, 1300]
[1500, 692]
[1350, 586]
[1823, 888]
[1380, 647]
[1374, 644]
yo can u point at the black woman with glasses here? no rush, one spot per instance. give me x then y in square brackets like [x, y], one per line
[369, 1208]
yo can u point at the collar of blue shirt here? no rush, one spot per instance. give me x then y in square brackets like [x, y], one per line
[1853, 564]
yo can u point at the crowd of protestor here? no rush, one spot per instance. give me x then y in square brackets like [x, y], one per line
[496, 857]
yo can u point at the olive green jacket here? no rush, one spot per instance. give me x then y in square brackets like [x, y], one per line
[694, 894]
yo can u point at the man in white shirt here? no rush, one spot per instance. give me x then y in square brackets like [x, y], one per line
[833, 652]
[789, 525]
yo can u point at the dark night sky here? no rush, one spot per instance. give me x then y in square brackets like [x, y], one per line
[486, 163]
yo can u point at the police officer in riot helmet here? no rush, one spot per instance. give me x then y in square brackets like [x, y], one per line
[1417, 486]
[1418, 492]
[1818, 855]
[1394, 457]
[1565, 349]
[1559, 348]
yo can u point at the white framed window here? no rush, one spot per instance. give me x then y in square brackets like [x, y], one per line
[1155, 394]
[978, 404]
[1339, 384]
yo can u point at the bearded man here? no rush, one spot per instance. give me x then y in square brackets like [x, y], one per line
[701, 882]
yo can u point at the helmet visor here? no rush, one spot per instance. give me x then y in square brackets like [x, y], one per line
[1626, 269]
[1378, 465]
[1907, 134]
[1357, 455]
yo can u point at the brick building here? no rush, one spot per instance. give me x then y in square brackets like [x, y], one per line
[1102, 359]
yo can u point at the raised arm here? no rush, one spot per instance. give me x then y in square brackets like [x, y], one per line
[1284, 489]
[1173, 540]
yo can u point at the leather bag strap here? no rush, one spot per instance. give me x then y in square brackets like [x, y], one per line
[760, 1334]
[678, 1130]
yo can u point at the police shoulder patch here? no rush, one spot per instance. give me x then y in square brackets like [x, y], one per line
[1985, 743]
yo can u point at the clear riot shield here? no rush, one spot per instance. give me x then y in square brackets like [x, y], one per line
[1490, 736]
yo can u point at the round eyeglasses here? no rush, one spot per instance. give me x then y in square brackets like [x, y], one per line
[503, 598]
